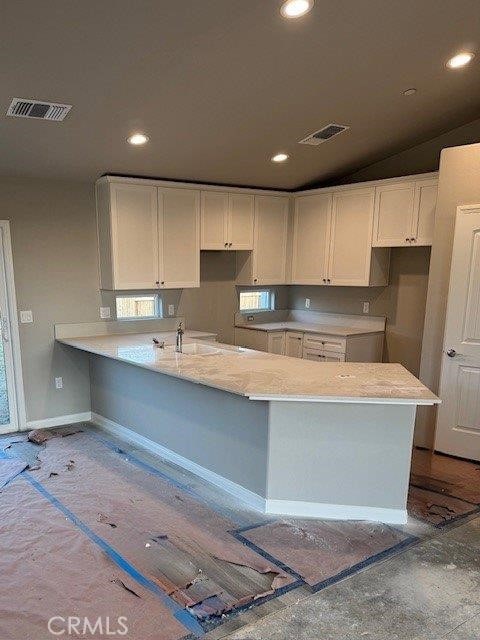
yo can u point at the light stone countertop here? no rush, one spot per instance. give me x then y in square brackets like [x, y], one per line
[295, 325]
[258, 375]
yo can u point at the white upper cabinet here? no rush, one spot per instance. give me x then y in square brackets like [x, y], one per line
[134, 236]
[179, 238]
[311, 238]
[332, 235]
[425, 203]
[350, 242]
[149, 237]
[269, 259]
[405, 213]
[227, 221]
[214, 215]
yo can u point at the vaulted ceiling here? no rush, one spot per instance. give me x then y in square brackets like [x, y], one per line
[222, 85]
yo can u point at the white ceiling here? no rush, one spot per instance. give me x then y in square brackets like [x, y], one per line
[221, 85]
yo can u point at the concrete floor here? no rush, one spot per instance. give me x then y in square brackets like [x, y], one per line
[430, 592]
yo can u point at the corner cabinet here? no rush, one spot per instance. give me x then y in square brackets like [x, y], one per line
[148, 236]
[332, 240]
[267, 263]
[405, 213]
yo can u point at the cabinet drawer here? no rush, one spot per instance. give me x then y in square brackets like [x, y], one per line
[323, 356]
[324, 342]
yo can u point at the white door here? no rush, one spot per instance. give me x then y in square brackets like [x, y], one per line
[214, 216]
[134, 236]
[458, 421]
[12, 411]
[270, 243]
[240, 222]
[294, 344]
[351, 238]
[311, 237]
[394, 212]
[179, 238]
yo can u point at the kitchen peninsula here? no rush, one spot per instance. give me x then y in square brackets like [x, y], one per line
[287, 436]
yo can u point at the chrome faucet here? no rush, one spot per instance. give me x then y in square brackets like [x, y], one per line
[179, 345]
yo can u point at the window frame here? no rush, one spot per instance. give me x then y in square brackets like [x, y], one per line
[271, 301]
[158, 302]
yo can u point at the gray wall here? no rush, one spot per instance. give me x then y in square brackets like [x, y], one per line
[421, 158]
[459, 183]
[402, 302]
[55, 263]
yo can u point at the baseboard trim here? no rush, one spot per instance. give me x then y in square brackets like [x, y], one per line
[250, 498]
[335, 511]
[59, 421]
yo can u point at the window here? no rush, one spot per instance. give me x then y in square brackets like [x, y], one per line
[262, 300]
[132, 307]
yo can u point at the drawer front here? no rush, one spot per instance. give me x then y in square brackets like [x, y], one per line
[323, 356]
[324, 343]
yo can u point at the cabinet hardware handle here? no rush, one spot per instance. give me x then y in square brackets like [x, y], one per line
[407, 239]
[157, 282]
[412, 239]
[328, 280]
[324, 279]
[226, 244]
[255, 279]
[230, 244]
[162, 282]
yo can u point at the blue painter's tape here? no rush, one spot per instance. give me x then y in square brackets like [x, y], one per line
[183, 616]
[223, 511]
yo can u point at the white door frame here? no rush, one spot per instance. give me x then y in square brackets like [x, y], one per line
[16, 396]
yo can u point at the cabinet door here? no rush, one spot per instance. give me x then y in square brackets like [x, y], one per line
[311, 237]
[425, 203]
[134, 236]
[214, 215]
[394, 212]
[270, 240]
[276, 342]
[351, 238]
[179, 233]
[294, 344]
[251, 339]
[240, 221]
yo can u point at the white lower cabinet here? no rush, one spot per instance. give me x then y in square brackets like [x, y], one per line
[294, 344]
[323, 356]
[366, 347]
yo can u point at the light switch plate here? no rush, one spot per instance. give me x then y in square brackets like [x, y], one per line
[105, 313]
[26, 317]
[171, 309]
[307, 303]
[59, 383]
[366, 307]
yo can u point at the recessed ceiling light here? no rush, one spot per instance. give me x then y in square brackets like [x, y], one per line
[279, 157]
[296, 8]
[410, 92]
[137, 139]
[460, 60]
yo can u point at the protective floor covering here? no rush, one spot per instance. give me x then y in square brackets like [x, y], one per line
[94, 532]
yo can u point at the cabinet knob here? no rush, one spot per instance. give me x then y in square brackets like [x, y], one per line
[157, 282]
[328, 280]
[230, 244]
[255, 279]
[407, 239]
[412, 239]
[324, 279]
[162, 282]
[226, 244]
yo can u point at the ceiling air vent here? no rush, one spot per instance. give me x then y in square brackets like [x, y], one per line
[324, 134]
[23, 108]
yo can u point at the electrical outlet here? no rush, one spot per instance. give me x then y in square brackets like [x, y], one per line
[307, 303]
[105, 313]
[26, 317]
[59, 383]
[366, 307]
[171, 309]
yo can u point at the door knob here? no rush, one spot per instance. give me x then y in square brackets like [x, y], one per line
[451, 353]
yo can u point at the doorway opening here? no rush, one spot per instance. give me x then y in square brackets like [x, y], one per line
[12, 404]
